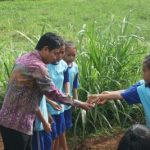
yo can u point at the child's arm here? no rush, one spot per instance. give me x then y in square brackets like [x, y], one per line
[46, 87]
[130, 95]
[75, 87]
[67, 88]
[105, 96]
[54, 104]
[50, 118]
[75, 93]
[66, 83]
[46, 125]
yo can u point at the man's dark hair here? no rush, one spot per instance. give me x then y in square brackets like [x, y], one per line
[136, 138]
[51, 40]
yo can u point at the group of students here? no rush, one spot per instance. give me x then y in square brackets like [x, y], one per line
[64, 74]
[36, 111]
[30, 118]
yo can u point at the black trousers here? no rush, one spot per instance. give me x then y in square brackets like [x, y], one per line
[14, 140]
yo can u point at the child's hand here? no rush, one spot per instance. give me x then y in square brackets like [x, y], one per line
[56, 106]
[50, 119]
[97, 98]
[92, 98]
[101, 101]
[67, 94]
[47, 127]
[105, 92]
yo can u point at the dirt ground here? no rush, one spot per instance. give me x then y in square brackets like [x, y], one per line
[100, 143]
[93, 143]
[1, 143]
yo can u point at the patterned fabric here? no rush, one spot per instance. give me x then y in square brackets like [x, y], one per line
[29, 81]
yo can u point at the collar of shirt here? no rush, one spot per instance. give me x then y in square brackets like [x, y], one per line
[70, 65]
[147, 85]
[37, 54]
[55, 63]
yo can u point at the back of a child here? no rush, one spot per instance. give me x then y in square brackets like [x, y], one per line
[136, 138]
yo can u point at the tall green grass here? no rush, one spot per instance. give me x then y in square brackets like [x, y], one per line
[109, 59]
[7, 58]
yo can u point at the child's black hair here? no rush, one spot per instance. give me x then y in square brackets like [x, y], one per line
[69, 44]
[52, 40]
[147, 61]
[136, 138]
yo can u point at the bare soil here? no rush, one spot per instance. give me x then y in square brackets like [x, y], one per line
[93, 143]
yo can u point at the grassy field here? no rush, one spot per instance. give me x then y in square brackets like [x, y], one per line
[66, 17]
[110, 50]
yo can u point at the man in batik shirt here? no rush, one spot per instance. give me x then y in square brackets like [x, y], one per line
[29, 81]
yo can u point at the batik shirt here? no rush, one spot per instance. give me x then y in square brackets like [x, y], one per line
[29, 81]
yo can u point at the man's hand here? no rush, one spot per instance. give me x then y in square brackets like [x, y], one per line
[85, 105]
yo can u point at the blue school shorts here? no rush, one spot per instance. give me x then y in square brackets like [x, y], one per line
[41, 140]
[54, 130]
[68, 118]
[58, 125]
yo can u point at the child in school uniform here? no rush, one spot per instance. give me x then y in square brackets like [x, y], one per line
[41, 139]
[59, 75]
[28, 82]
[70, 55]
[137, 93]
